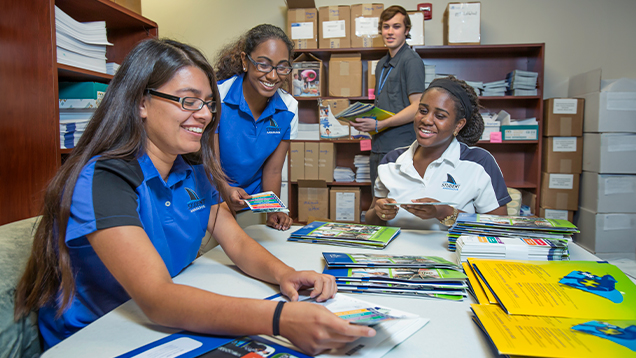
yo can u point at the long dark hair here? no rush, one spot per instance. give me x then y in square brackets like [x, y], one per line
[116, 131]
[229, 62]
[474, 127]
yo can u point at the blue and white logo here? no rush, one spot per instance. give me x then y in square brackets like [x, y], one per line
[450, 183]
[195, 202]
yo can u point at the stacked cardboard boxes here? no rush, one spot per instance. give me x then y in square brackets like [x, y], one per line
[561, 157]
[607, 212]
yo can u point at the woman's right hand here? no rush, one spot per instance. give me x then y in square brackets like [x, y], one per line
[315, 329]
[385, 212]
[237, 198]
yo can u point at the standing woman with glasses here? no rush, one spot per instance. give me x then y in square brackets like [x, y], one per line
[128, 209]
[258, 118]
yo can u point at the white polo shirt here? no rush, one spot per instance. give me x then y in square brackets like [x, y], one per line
[468, 176]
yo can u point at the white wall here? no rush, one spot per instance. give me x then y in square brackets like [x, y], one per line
[580, 35]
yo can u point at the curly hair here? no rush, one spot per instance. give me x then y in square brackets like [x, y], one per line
[474, 127]
[229, 63]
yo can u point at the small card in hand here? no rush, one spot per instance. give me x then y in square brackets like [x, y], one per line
[266, 202]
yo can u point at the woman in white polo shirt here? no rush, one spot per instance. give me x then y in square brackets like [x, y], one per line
[440, 166]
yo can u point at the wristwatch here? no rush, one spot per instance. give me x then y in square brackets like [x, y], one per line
[450, 219]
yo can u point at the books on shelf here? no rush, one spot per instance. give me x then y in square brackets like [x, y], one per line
[80, 44]
[343, 174]
[363, 170]
[360, 110]
[509, 226]
[266, 202]
[522, 83]
[78, 102]
[344, 234]
[515, 248]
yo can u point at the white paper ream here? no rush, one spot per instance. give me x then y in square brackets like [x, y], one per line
[622, 143]
[564, 106]
[345, 206]
[621, 101]
[561, 181]
[619, 185]
[564, 144]
[516, 250]
[367, 26]
[171, 349]
[618, 222]
[302, 30]
[333, 29]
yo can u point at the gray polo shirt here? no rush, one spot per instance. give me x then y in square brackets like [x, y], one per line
[405, 77]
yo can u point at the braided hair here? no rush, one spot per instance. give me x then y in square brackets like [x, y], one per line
[229, 63]
[474, 127]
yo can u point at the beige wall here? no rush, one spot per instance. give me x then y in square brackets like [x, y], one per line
[580, 35]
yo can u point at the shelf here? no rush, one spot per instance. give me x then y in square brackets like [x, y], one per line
[513, 142]
[71, 73]
[66, 151]
[343, 183]
[317, 98]
[521, 185]
[116, 16]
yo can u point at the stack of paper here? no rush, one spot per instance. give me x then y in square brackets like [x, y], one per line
[354, 235]
[491, 124]
[478, 86]
[406, 275]
[429, 74]
[78, 102]
[522, 83]
[111, 68]
[495, 88]
[516, 248]
[308, 131]
[554, 309]
[80, 44]
[510, 226]
[344, 174]
[363, 171]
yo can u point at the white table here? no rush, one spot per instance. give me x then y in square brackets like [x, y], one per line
[450, 332]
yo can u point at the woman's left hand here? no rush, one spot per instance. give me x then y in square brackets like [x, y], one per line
[279, 220]
[427, 211]
[324, 285]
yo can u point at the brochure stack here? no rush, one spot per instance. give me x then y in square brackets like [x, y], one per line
[344, 234]
[404, 275]
[558, 309]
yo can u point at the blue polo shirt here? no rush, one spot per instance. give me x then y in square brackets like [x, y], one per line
[114, 192]
[245, 143]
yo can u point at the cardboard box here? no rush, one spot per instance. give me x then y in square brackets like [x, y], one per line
[371, 65]
[520, 132]
[462, 23]
[563, 117]
[344, 204]
[312, 151]
[610, 105]
[609, 153]
[417, 28]
[562, 155]
[605, 232]
[345, 75]
[296, 161]
[284, 193]
[364, 25]
[334, 27]
[607, 193]
[302, 23]
[133, 5]
[326, 161]
[313, 199]
[309, 70]
[557, 214]
[560, 191]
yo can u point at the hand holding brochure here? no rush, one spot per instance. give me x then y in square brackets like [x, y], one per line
[266, 202]
[364, 110]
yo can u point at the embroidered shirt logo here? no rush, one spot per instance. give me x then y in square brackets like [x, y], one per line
[450, 183]
[195, 202]
[273, 128]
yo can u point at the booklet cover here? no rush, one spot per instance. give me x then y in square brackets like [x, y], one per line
[556, 337]
[575, 289]
[364, 110]
[396, 275]
[346, 234]
[515, 222]
[266, 202]
[341, 259]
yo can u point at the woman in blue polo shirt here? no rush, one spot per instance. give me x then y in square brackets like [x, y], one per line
[441, 165]
[128, 209]
[258, 118]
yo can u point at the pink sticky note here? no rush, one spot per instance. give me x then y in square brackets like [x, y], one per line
[371, 93]
[365, 144]
[495, 137]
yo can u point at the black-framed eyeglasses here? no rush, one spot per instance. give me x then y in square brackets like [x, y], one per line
[188, 103]
[267, 68]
